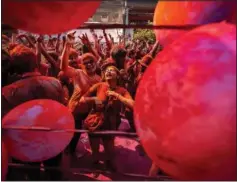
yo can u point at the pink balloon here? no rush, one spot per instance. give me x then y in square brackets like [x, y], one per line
[36, 146]
[185, 106]
[48, 17]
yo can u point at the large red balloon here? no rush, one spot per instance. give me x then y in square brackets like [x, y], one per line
[185, 106]
[4, 164]
[190, 12]
[44, 17]
[36, 146]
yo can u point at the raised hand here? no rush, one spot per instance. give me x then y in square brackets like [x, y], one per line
[70, 38]
[95, 35]
[82, 38]
[40, 39]
[100, 38]
[104, 32]
[59, 35]
[110, 36]
[64, 38]
[86, 38]
[112, 94]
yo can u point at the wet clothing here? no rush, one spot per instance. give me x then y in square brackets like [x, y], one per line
[111, 110]
[112, 106]
[82, 82]
[32, 86]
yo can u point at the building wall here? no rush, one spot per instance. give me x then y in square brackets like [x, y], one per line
[109, 12]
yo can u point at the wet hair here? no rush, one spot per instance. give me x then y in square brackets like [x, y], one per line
[118, 52]
[116, 69]
[23, 59]
[73, 53]
[88, 56]
[72, 63]
[106, 63]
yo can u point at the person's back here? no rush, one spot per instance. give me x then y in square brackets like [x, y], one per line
[30, 87]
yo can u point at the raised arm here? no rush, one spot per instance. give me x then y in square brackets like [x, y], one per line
[13, 39]
[48, 57]
[90, 96]
[38, 50]
[58, 42]
[154, 50]
[108, 44]
[85, 41]
[31, 44]
[111, 40]
[69, 71]
[50, 42]
[97, 45]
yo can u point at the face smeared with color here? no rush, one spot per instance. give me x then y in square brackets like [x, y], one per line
[90, 65]
[111, 73]
[73, 57]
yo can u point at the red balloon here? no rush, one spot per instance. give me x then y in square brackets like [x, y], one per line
[4, 162]
[185, 106]
[44, 17]
[190, 12]
[36, 146]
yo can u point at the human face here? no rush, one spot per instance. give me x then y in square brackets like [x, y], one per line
[110, 73]
[90, 65]
[73, 57]
[74, 64]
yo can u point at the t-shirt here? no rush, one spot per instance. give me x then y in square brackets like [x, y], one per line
[82, 82]
[112, 106]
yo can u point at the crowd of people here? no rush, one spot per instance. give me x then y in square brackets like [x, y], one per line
[96, 81]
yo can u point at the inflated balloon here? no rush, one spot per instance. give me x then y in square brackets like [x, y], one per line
[36, 146]
[45, 17]
[185, 107]
[190, 12]
[4, 162]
